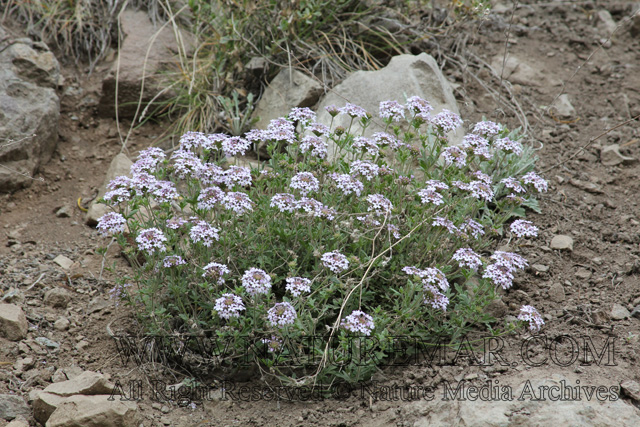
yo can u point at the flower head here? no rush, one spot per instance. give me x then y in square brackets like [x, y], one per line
[379, 204]
[335, 261]
[185, 163]
[509, 260]
[204, 232]
[358, 322]
[298, 285]
[305, 182]
[238, 175]
[209, 197]
[150, 240]
[367, 144]
[211, 174]
[314, 144]
[282, 314]
[466, 257]
[444, 222]
[365, 168]
[193, 140]
[472, 227]
[215, 271]
[446, 120]
[347, 184]
[434, 298]
[353, 111]
[513, 184]
[173, 261]
[391, 110]
[420, 107]
[500, 275]
[454, 155]
[303, 115]
[508, 145]
[235, 145]
[522, 228]
[111, 223]
[256, 281]
[531, 315]
[165, 192]
[175, 223]
[240, 203]
[538, 182]
[486, 128]
[228, 306]
[285, 202]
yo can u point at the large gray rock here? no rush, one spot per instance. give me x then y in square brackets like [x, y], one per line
[13, 406]
[405, 75]
[606, 409]
[29, 74]
[94, 411]
[120, 166]
[13, 322]
[89, 383]
[142, 42]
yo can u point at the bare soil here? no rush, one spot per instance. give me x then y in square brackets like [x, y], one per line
[596, 205]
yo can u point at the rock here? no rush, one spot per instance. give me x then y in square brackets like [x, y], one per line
[404, 75]
[46, 342]
[57, 297]
[136, 58]
[120, 166]
[13, 322]
[619, 312]
[540, 268]
[44, 404]
[583, 273]
[30, 109]
[64, 212]
[88, 383]
[636, 312]
[605, 23]
[496, 308]
[631, 389]
[520, 71]
[64, 374]
[290, 88]
[13, 406]
[562, 242]
[63, 262]
[611, 156]
[62, 324]
[589, 187]
[97, 304]
[635, 25]
[19, 421]
[22, 365]
[512, 412]
[94, 411]
[556, 293]
[563, 107]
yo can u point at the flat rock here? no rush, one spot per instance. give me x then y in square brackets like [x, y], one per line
[631, 389]
[556, 293]
[13, 406]
[605, 23]
[120, 166]
[88, 383]
[611, 156]
[44, 404]
[636, 312]
[94, 411]
[57, 297]
[29, 74]
[63, 262]
[19, 421]
[404, 75]
[562, 242]
[61, 324]
[13, 322]
[520, 71]
[563, 107]
[540, 268]
[619, 312]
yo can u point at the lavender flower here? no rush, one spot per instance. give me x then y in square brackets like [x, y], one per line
[482, 177]
[238, 175]
[185, 163]
[147, 160]
[143, 183]
[466, 257]
[193, 140]
[436, 185]
[235, 145]
[211, 174]
[274, 344]
[394, 230]
[315, 145]
[420, 107]
[305, 182]
[481, 190]
[353, 111]
[228, 306]
[111, 223]
[209, 196]
[175, 223]
[214, 141]
[379, 204]
[473, 227]
[513, 184]
[446, 121]
[335, 261]
[429, 195]
[165, 192]
[486, 129]
[332, 110]
[318, 129]
[173, 261]
[391, 110]
[531, 315]
[204, 232]
[310, 205]
[455, 155]
[150, 240]
[285, 202]
[429, 276]
[522, 228]
[240, 203]
[364, 168]
[500, 275]
[444, 222]
[368, 221]
[119, 292]
[539, 183]
[383, 139]
[256, 136]
[282, 130]
[215, 271]
[366, 144]
[347, 184]
[509, 260]
[298, 285]
[256, 281]
[303, 115]
[508, 145]
[434, 297]
[358, 322]
[282, 314]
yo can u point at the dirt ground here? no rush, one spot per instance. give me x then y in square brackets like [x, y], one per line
[596, 205]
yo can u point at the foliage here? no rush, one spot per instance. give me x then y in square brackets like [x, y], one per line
[334, 238]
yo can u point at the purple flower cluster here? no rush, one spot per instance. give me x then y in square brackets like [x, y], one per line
[111, 223]
[501, 272]
[204, 232]
[150, 240]
[466, 257]
[314, 144]
[282, 314]
[539, 183]
[256, 281]
[429, 276]
[446, 121]
[118, 292]
[305, 182]
[379, 204]
[353, 111]
[238, 175]
[165, 192]
[215, 271]
[430, 194]
[472, 227]
[228, 306]
[446, 223]
[365, 168]
[531, 315]
[240, 203]
[420, 107]
[148, 160]
[383, 139]
[434, 298]
[347, 184]
[209, 197]
[185, 163]
[366, 144]
[358, 322]
[120, 190]
[486, 129]
[508, 145]
[285, 202]
[298, 285]
[513, 184]
[173, 261]
[335, 261]
[454, 155]
[522, 228]
[302, 115]
[234, 145]
[391, 110]
[175, 223]
[211, 174]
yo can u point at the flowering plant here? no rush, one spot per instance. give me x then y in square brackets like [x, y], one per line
[340, 235]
